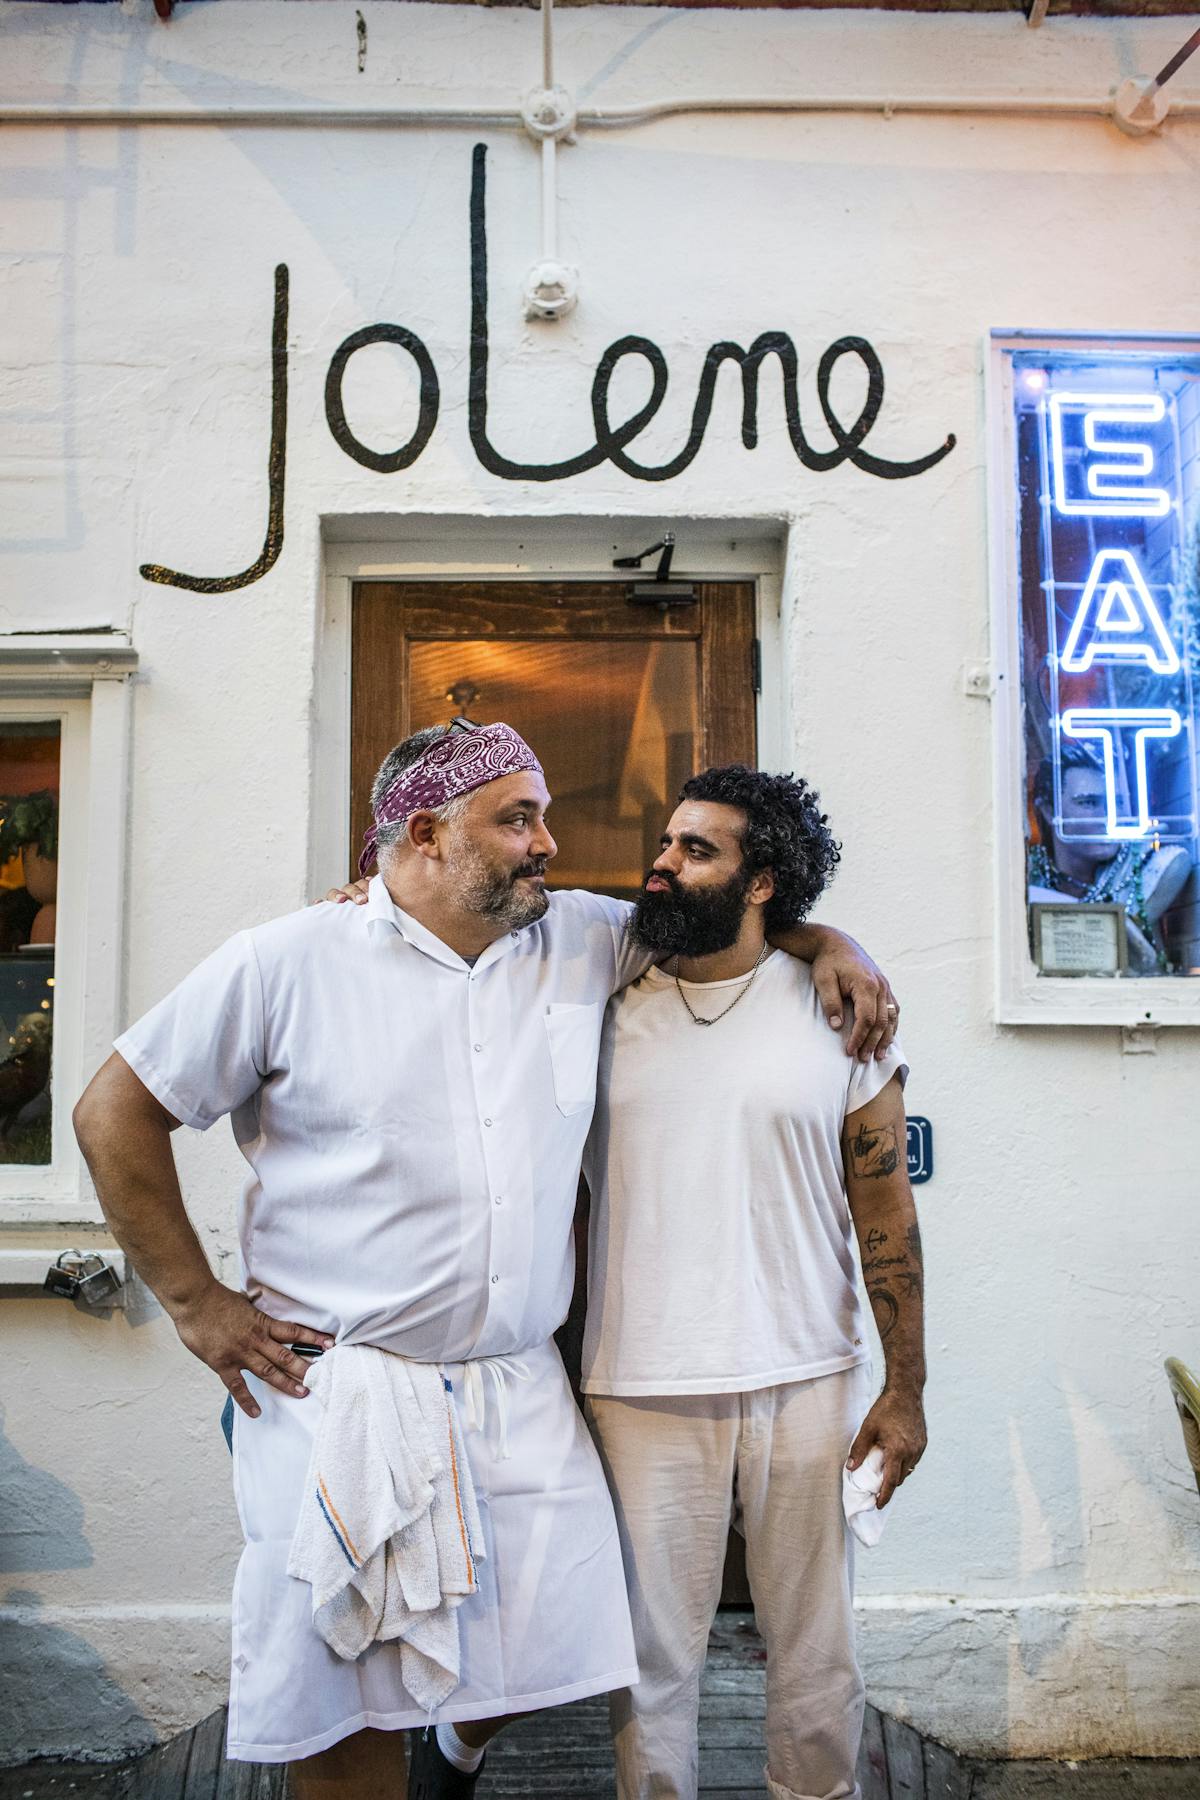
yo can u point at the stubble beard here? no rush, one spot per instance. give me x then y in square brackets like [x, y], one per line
[496, 894]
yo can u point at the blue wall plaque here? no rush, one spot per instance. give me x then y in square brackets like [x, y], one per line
[920, 1150]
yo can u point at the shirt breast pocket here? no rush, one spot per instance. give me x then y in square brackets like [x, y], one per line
[574, 1035]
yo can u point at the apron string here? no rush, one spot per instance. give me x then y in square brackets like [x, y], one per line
[501, 1369]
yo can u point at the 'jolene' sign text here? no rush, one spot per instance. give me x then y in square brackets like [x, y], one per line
[611, 441]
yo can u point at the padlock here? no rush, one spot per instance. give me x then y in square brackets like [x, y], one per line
[97, 1282]
[64, 1281]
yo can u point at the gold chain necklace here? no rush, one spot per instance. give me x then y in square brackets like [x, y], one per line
[749, 980]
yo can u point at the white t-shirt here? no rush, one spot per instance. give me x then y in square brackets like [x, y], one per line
[721, 1238]
[413, 1124]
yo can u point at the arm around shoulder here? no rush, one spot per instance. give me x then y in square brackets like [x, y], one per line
[844, 974]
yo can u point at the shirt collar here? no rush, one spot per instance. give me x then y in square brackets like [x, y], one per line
[383, 914]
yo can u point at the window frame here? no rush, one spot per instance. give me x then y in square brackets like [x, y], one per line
[1022, 995]
[82, 684]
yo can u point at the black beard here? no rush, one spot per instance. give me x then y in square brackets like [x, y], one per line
[681, 924]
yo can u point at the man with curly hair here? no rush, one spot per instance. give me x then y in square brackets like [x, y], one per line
[725, 1362]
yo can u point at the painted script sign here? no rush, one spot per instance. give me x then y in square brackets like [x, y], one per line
[611, 441]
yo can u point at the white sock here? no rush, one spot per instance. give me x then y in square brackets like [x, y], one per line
[455, 1751]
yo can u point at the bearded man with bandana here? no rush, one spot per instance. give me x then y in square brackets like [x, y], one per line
[411, 1082]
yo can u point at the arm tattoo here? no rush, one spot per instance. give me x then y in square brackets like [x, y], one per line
[913, 1278]
[886, 1291]
[885, 1307]
[874, 1151]
[885, 1300]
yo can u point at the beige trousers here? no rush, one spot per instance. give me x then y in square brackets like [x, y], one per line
[680, 1467]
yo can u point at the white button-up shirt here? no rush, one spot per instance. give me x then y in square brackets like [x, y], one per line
[413, 1124]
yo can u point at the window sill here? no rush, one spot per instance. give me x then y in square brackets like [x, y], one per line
[1102, 1000]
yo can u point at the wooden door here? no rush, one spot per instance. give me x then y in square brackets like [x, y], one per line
[621, 701]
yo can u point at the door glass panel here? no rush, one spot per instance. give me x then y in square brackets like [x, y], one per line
[615, 723]
[29, 788]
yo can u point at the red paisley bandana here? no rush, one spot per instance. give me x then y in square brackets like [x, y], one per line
[457, 763]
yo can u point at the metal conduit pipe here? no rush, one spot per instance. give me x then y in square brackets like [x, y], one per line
[995, 105]
[548, 43]
[600, 117]
[548, 115]
[284, 116]
[613, 118]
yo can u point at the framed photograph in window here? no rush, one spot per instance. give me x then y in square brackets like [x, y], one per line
[1079, 939]
[1095, 529]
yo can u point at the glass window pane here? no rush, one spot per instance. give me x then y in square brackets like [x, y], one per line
[614, 722]
[1108, 469]
[29, 790]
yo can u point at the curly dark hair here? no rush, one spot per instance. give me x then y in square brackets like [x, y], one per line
[786, 832]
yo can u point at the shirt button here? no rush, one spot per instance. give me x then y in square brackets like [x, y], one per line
[495, 1279]
[477, 1046]
[498, 1201]
[487, 1121]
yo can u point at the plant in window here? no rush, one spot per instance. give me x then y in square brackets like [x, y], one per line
[29, 819]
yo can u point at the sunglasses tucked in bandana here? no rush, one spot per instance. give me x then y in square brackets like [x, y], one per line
[466, 758]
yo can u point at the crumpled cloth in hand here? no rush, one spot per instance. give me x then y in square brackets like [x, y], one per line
[859, 1488]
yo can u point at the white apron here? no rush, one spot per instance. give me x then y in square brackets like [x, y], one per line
[549, 1624]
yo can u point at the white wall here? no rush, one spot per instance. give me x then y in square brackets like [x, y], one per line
[1039, 1588]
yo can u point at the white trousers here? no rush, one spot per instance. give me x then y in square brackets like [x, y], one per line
[680, 1466]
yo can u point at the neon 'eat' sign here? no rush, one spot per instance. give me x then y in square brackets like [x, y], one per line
[1114, 444]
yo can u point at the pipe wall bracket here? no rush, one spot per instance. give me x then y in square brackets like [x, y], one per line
[1140, 108]
[551, 290]
[548, 112]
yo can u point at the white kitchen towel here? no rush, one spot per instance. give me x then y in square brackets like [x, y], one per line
[859, 1488]
[388, 1535]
